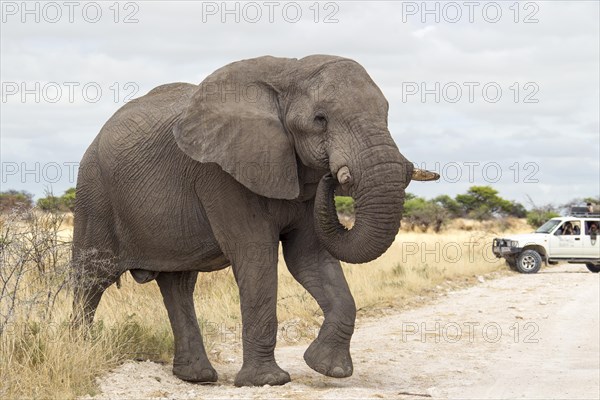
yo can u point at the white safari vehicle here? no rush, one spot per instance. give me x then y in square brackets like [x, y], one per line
[574, 239]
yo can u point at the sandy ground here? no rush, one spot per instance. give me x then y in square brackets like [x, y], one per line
[520, 336]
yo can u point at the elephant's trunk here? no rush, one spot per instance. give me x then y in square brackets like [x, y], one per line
[377, 187]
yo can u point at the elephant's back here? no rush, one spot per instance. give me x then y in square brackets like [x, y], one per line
[145, 119]
[136, 151]
[147, 179]
[169, 99]
[139, 135]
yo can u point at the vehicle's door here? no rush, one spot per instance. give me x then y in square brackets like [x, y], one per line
[591, 247]
[565, 243]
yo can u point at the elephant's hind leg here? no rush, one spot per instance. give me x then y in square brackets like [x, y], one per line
[94, 247]
[190, 362]
[94, 272]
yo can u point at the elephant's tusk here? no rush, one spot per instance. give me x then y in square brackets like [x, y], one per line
[424, 175]
[343, 175]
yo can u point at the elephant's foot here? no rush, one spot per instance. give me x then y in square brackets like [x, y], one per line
[263, 374]
[329, 359]
[195, 371]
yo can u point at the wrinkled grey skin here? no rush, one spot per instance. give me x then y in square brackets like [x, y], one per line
[193, 178]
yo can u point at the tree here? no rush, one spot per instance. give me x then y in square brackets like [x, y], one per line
[449, 204]
[424, 213]
[483, 202]
[578, 202]
[52, 203]
[344, 205]
[593, 200]
[517, 210]
[68, 199]
[13, 200]
[49, 203]
[537, 217]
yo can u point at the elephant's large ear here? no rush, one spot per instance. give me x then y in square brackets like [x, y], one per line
[234, 120]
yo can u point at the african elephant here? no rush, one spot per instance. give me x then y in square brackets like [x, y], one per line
[188, 178]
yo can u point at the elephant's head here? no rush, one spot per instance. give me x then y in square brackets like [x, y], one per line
[266, 120]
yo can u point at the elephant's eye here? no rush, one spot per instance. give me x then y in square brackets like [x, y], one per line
[321, 120]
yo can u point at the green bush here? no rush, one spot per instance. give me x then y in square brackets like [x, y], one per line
[537, 217]
[422, 213]
[483, 202]
[68, 199]
[344, 205]
[516, 210]
[13, 200]
[480, 202]
[52, 203]
[450, 205]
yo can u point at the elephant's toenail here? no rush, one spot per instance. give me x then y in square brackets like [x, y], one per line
[338, 372]
[209, 374]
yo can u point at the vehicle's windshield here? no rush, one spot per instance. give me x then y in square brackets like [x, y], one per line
[548, 226]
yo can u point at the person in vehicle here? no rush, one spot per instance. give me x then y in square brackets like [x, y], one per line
[567, 229]
[593, 232]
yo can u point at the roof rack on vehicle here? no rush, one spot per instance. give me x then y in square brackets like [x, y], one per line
[584, 212]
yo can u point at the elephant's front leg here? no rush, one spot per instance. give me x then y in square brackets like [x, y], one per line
[322, 276]
[190, 362]
[255, 270]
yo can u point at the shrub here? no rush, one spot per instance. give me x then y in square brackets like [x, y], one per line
[537, 217]
[516, 210]
[450, 205]
[483, 202]
[34, 265]
[344, 205]
[422, 213]
[68, 199]
[13, 200]
[52, 203]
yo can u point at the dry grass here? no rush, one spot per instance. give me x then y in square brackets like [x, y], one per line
[40, 358]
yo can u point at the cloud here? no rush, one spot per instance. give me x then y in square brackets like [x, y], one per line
[420, 33]
[554, 62]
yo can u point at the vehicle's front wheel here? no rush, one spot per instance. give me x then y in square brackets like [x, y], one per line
[529, 262]
[593, 268]
[512, 263]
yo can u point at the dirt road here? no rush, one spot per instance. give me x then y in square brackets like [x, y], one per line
[513, 337]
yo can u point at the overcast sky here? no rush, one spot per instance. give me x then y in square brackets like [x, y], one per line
[517, 86]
